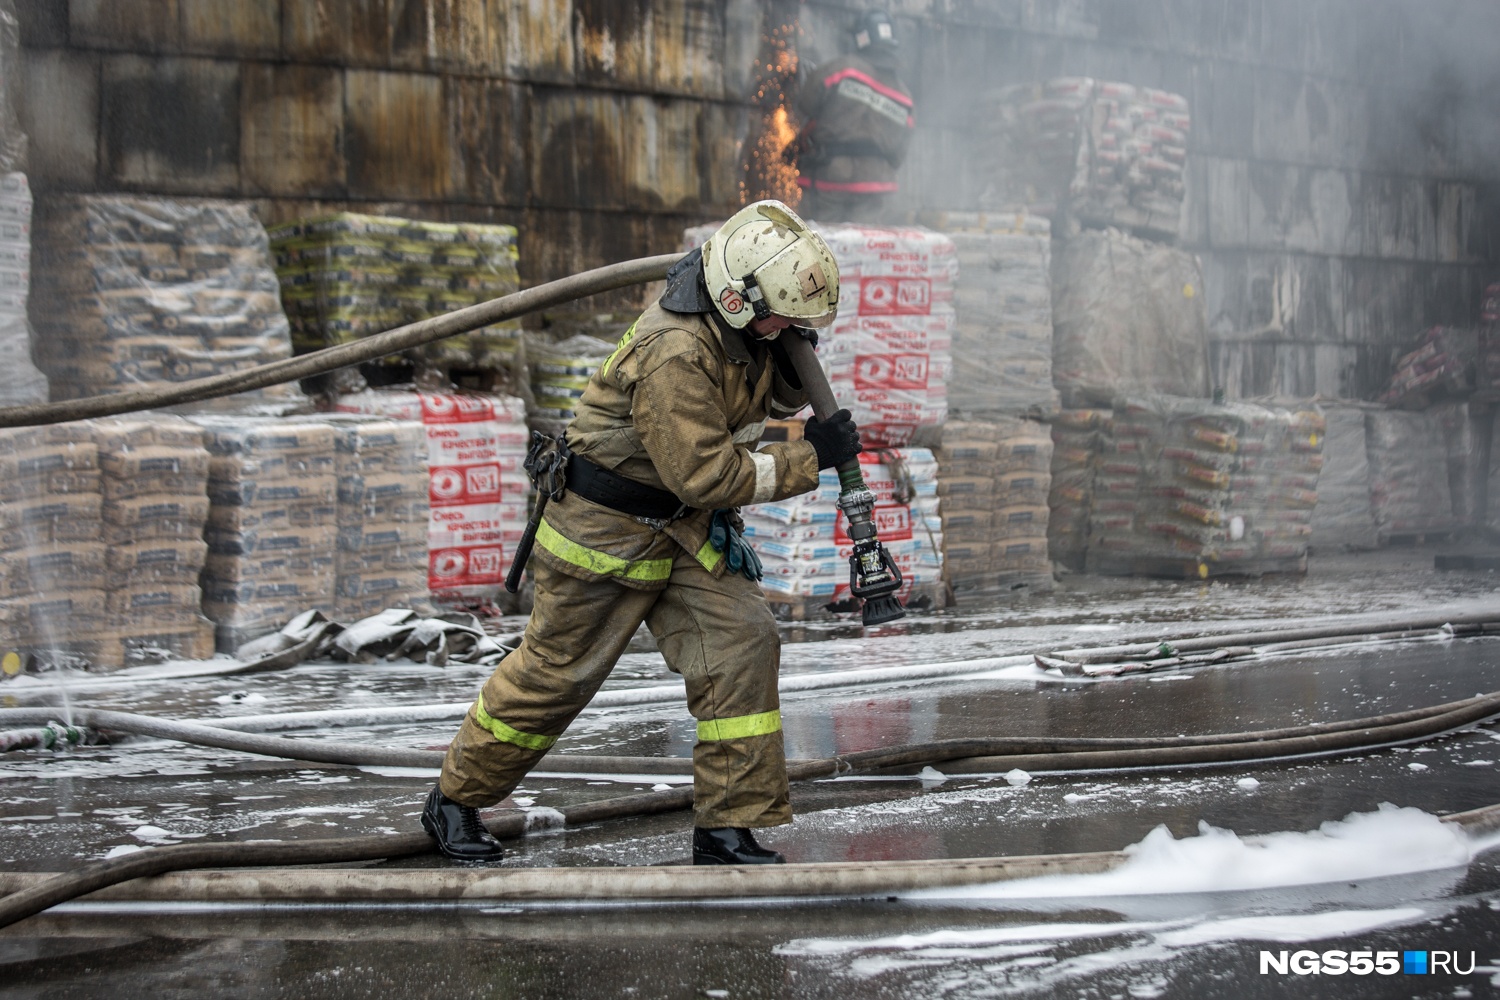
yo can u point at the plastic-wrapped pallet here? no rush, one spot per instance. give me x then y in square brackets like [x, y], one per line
[1441, 366]
[134, 292]
[477, 484]
[1127, 319]
[559, 373]
[1077, 446]
[153, 480]
[993, 480]
[383, 515]
[1408, 473]
[52, 554]
[1002, 340]
[889, 354]
[1462, 435]
[890, 358]
[21, 381]
[1226, 487]
[13, 141]
[347, 276]
[1113, 153]
[272, 525]
[1492, 492]
[804, 543]
[1343, 517]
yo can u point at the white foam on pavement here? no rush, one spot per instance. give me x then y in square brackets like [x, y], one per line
[1390, 841]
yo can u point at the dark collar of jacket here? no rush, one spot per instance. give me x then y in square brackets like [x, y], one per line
[687, 294]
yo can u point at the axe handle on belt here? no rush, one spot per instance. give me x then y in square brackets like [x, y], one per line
[547, 465]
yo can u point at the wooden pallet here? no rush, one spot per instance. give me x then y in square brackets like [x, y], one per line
[926, 597]
[1414, 538]
[989, 586]
[1194, 569]
[1466, 562]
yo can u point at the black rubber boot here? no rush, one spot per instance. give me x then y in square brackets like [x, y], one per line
[458, 830]
[730, 845]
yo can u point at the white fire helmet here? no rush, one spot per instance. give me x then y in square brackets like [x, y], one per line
[765, 261]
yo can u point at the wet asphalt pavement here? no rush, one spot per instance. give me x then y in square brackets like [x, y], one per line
[58, 809]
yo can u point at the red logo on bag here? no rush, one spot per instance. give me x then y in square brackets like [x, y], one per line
[448, 408]
[892, 524]
[890, 371]
[895, 296]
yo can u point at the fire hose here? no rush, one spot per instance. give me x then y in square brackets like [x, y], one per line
[1036, 753]
[329, 359]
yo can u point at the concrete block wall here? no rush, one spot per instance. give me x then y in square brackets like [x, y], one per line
[601, 129]
[1344, 187]
[1344, 166]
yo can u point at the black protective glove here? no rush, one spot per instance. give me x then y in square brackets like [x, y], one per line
[835, 440]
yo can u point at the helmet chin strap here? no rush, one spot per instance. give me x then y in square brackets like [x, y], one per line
[756, 296]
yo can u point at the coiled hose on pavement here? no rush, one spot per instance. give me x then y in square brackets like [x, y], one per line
[1035, 753]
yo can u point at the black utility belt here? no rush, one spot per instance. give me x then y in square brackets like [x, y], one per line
[627, 496]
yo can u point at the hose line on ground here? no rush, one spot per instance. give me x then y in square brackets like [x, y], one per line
[1041, 753]
[31, 893]
[979, 753]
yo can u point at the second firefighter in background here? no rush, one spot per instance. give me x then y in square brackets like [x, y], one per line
[664, 449]
[857, 121]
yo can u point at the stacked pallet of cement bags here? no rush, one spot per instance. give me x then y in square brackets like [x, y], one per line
[993, 482]
[1220, 488]
[1343, 517]
[1002, 343]
[804, 541]
[1110, 154]
[272, 528]
[102, 542]
[153, 482]
[1408, 473]
[139, 293]
[380, 559]
[560, 371]
[477, 487]
[1441, 366]
[52, 572]
[347, 276]
[1127, 318]
[20, 380]
[889, 358]
[1078, 438]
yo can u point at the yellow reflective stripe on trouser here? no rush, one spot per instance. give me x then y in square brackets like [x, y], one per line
[603, 563]
[505, 734]
[708, 557]
[740, 726]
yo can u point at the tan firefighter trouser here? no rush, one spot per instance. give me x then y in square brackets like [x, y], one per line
[718, 634]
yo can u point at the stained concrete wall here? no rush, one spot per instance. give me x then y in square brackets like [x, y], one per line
[1344, 154]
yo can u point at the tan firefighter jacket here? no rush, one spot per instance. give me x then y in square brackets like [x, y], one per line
[679, 407]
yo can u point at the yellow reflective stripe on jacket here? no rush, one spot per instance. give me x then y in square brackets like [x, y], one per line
[624, 343]
[505, 734]
[708, 557]
[740, 726]
[569, 551]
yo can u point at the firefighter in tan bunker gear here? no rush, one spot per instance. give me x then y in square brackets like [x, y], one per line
[663, 450]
